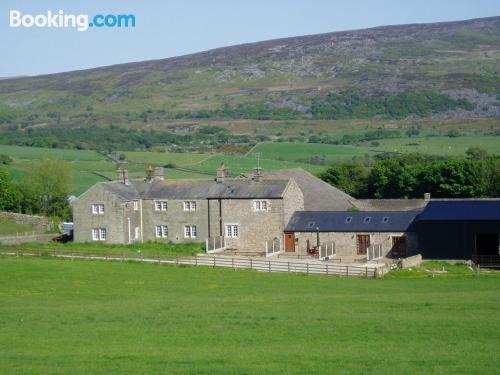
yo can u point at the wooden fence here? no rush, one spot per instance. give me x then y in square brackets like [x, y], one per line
[258, 264]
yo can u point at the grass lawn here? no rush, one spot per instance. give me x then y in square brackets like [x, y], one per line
[92, 317]
[8, 227]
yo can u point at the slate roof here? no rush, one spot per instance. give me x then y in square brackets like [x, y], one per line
[198, 189]
[230, 188]
[358, 221]
[461, 210]
[318, 195]
[390, 204]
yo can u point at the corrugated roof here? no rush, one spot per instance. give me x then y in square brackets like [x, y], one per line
[318, 195]
[462, 210]
[358, 221]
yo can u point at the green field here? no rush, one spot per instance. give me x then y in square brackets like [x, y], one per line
[305, 151]
[81, 317]
[8, 227]
[445, 146]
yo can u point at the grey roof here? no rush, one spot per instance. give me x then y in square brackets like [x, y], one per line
[198, 189]
[318, 195]
[390, 204]
[464, 210]
[128, 192]
[230, 188]
[342, 221]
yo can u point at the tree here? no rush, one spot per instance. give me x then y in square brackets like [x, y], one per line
[46, 188]
[9, 194]
[350, 177]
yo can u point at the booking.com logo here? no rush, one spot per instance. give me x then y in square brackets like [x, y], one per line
[79, 22]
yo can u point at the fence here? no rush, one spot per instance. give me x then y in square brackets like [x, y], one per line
[274, 247]
[262, 265]
[215, 244]
[374, 251]
[327, 250]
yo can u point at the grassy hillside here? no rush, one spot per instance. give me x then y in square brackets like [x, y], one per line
[436, 72]
[98, 317]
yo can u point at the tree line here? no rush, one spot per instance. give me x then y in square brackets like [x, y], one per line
[43, 189]
[475, 175]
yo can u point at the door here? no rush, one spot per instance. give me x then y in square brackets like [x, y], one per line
[363, 243]
[290, 242]
[398, 247]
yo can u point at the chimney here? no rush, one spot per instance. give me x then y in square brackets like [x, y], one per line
[149, 173]
[257, 175]
[158, 173]
[122, 175]
[221, 174]
[427, 197]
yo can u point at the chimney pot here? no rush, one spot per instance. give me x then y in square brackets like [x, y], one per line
[221, 174]
[158, 173]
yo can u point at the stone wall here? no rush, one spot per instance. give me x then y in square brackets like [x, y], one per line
[14, 240]
[414, 261]
[41, 223]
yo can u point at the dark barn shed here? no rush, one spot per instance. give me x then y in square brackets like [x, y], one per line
[459, 229]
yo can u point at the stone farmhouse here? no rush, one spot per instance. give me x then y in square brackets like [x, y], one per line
[245, 212]
[290, 206]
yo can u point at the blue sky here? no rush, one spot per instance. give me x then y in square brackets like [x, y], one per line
[172, 28]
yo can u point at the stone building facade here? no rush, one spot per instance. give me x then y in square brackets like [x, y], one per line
[246, 212]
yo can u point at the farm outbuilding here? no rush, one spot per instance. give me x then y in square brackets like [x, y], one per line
[353, 232]
[459, 229]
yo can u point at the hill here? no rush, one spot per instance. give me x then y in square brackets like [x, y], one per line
[439, 72]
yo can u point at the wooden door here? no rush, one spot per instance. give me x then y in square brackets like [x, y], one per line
[290, 242]
[398, 247]
[363, 243]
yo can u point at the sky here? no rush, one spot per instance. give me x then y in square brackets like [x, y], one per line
[173, 28]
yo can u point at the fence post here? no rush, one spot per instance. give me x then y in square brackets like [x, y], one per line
[251, 263]
[214, 244]
[327, 273]
[288, 267]
[269, 265]
[232, 263]
[307, 268]
[347, 270]
[196, 260]
[366, 271]
[214, 261]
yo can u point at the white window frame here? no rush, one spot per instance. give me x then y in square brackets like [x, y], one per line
[161, 231]
[260, 205]
[99, 234]
[97, 209]
[136, 205]
[232, 230]
[161, 205]
[190, 231]
[189, 205]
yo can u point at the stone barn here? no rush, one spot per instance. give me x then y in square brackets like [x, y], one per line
[353, 232]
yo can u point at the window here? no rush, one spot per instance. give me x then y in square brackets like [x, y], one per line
[310, 224]
[161, 231]
[190, 231]
[190, 206]
[260, 205]
[348, 219]
[136, 205]
[99, 234]
[232, 230]
[136, 233]
[160, 206]
[385, 219]
[98, 209]
[367, 220]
